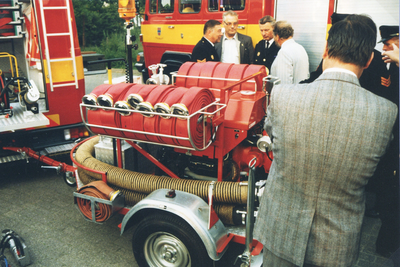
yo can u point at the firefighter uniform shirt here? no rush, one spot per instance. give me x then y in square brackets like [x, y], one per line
[204, 51]
[265, 56]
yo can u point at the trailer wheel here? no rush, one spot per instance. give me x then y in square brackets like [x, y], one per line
[69, 179]
[167, 240]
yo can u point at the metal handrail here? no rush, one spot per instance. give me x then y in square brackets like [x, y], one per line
[202, 111]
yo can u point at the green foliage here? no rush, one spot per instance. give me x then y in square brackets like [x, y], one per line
[113, 46]
[96, 19]
[140, 6]
[100, 29]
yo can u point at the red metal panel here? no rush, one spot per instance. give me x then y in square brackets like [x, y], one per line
[244, 110]
[65, 102]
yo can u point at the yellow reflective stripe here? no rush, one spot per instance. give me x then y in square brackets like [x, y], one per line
[188, 34]
[55, 118]
[63, 71]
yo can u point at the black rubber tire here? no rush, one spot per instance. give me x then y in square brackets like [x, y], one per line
[154, 236]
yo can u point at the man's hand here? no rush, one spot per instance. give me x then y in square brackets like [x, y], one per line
[391, 56]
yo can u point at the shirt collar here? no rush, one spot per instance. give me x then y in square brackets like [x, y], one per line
[209, 41]
[233, 38]
[340, 70]
[270, 42]
[291, 40]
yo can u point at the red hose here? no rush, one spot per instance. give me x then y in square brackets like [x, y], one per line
[136, 121]
[150, 124]
[236, 72]
[258, 79]
[112, 94]
[183, 70]
[221, 71]
[208, 70]
[129, 103]
[194, 71]
[167, 126]
[101, 89]
[194, 99]
[97, 189]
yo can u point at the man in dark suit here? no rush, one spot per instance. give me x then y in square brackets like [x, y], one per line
[327, 139]
[387, 173]
[204, 49]
[374, 78]
[266, 49]
[234, 47]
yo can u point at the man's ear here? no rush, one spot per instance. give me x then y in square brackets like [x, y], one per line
[325, 54]
[369, 61]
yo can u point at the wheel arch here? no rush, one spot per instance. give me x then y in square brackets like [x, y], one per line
[190, 208]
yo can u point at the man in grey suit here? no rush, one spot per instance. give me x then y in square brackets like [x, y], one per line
[327, 139]
[234, 47]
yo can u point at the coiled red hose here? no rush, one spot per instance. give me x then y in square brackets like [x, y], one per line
[97, 189]
[167, 126]
[150, 122]
[194, 99]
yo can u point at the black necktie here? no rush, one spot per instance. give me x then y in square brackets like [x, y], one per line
[267, 44]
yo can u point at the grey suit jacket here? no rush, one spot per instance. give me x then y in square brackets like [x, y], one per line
[328, 137]
[246, 48]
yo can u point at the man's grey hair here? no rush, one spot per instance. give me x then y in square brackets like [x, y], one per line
[229, 13]
[267, 19]
[283, 29]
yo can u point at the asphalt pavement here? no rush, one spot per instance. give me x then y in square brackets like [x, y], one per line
[39, 206]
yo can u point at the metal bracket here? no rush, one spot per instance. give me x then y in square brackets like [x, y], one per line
[116, 204]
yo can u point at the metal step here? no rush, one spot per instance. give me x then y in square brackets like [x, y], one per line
[59, 149]
[46, 152]
[22, 119]
[11, 158]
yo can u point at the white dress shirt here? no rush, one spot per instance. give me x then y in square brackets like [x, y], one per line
[270, 43]
[230, 50]
[291, 64]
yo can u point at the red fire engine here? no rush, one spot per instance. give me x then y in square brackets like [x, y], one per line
[42, 79]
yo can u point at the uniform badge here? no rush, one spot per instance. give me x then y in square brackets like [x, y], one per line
[258, 54]
[212, 57]
[386, 82]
